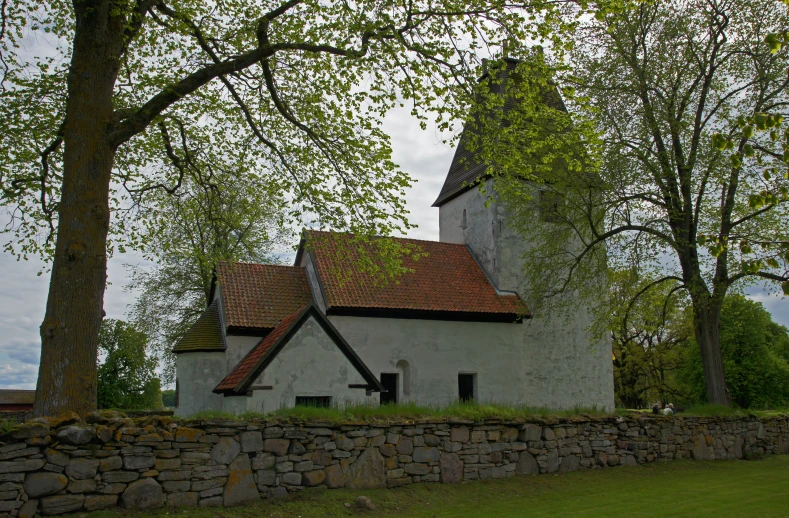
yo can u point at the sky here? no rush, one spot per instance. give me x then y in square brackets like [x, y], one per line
[23, 297]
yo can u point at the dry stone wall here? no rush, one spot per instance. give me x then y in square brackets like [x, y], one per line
[67, 464]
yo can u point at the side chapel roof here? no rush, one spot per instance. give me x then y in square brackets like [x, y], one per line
[205, 334]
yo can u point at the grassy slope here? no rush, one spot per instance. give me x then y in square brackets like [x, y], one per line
[681, 488]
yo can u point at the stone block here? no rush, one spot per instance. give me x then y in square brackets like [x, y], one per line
[30, 430]
[344, 443]
[291, 479]
[214, 501]
[81, 468]
[527, 464]
[97, 502]
[82, 486]
[183, 434]
[451, 468]
[119, 476]
[368, 471]
[110, 463]
[176, 485]
[416, 469]
[278, 447]
[478, 436]
[305, 465]
[143, 494]
[76, 435]
[313, 478]
[188, 499]
[530, 432]
[138, 461]
[203, 485]
[459, 434]
[167, 464]
[405, 446]
[335, 477]
[44, 484]
[28, 509]
[240, 487]
[266, 477]
[16, 466]
[388, 450]
[264, 461]
[425, 454]
[60, 504]
[225, 450]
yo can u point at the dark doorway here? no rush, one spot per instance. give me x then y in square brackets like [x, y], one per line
[389, 381]
[466, 387]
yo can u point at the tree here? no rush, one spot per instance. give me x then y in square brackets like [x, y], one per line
[686, 183]
[231, 220]
[127, 376]
[650, 335]
[124, 91]
[756, 373]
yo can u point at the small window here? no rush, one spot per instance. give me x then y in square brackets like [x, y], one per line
[463, 221]
[315, 401]
[389, 381]
[177, 394]
[549, 206]
[466, 386]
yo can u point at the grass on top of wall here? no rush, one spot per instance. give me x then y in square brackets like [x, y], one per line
[409, 411]
[471, 411]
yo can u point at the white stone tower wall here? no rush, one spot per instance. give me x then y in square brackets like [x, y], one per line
[565, 365]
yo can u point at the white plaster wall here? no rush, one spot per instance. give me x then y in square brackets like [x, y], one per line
[310, 364]
[437, 351]
[565, 365]
[198, 374]
[237, 348]
[481, 226]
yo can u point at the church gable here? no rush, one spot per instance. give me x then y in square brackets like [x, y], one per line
[254, 364]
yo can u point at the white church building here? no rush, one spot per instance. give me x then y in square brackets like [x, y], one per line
[456, 327]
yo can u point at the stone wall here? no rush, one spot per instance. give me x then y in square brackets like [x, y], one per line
[67, 464]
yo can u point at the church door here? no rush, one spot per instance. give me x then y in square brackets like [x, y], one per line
[389, 381]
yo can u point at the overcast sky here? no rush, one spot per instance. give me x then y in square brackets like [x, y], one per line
[23, 297]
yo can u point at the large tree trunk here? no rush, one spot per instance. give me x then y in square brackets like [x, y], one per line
[706, 323]
[69, 333]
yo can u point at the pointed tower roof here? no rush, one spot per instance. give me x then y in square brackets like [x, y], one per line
[467, 167]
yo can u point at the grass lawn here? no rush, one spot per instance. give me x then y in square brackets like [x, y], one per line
[680, 488]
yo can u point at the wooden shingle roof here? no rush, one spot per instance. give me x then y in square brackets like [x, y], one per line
[205, 334]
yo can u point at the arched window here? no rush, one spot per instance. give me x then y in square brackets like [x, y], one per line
[463, 221]
[406, 370]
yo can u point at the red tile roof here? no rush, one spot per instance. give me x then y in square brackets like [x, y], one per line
[258, 296]
[447, 280]
[251, 360]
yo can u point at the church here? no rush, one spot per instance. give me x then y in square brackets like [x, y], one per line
[456, 326]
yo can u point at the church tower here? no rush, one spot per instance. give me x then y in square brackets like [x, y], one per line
[566, 365]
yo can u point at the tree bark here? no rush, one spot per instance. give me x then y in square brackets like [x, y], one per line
[706, 323]
[69, 332]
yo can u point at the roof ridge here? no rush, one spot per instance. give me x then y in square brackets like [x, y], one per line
[389, 237]
[260, 264]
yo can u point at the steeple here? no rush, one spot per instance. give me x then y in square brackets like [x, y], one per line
[467, 168]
